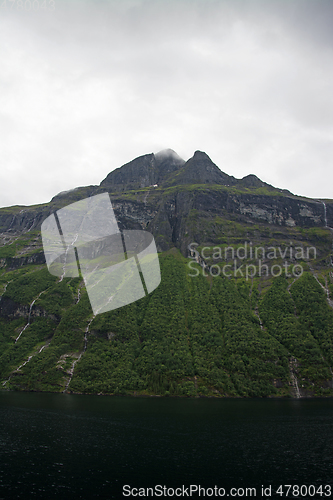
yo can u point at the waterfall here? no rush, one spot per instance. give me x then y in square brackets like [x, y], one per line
[294, 381]
[32, 225]
[72, 368]
[78, 296]
[327, 226]
[298, 394]
[325, 213]
[28, 324]
[4, 290]
[199, 260]
[325, 217]
[29, 316]
[260, 322]
[65, 260]
[256, 312]
[325, 288]
[10, 225]
[23, 364]
[87, 331]
[64, 266]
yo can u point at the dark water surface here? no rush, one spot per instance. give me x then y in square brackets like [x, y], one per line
[65, 446]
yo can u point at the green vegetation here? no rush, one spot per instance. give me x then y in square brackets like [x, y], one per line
[279, 312]
[7, 251]
[192, 336]
[25, 289]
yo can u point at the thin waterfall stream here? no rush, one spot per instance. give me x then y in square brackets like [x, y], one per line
[325, 219]
[29, 316]
[25, 362]
[325, 213]
[5, 288]
[72, 368]
[294, 381]
[325, 288]
[65, 259]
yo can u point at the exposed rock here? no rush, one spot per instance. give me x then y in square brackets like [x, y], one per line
[201, 170]
[16, 262]
[12, 310]
[161, 190]
[144, 171]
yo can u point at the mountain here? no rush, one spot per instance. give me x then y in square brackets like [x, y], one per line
[244, 308]
[144, 171]
[162, 192]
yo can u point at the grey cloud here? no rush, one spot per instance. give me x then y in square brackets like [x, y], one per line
[93, 85]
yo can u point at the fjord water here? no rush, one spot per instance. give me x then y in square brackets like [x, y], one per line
[71, 446]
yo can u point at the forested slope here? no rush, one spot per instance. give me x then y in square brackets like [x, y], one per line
[192, 336]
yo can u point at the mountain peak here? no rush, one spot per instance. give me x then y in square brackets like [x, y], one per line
[144, 171]
[201, 154]
[167, 168]
[167, 161]
[252, 180]
[167, 153]
[201, 170]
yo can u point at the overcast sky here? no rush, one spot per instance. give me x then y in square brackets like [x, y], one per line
[90, 85]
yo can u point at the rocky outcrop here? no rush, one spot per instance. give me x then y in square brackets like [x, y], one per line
[16, 262]
[21, 220]
[278, 210]
[252, 181]
[12, 310]
[133, 214]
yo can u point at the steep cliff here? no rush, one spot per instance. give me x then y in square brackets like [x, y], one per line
[159, 192]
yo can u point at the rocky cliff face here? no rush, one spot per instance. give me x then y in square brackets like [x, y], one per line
[12, 310]
[22, 219]
[200, 170]
[144, 171]
[159, 192]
